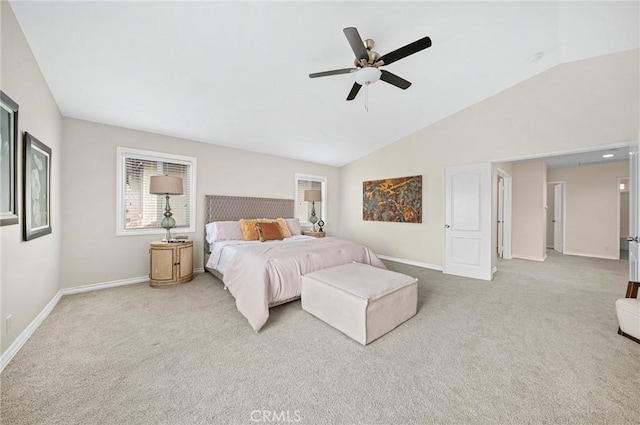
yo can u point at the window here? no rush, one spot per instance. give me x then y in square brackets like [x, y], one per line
[140, 212]
[303, 209]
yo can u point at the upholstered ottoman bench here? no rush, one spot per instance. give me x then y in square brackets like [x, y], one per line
[362, 301]
[628, 311]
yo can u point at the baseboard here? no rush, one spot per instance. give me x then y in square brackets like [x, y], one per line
[411, 262]
[584, 254]
[526, 257]
[26, 334]
[103, 285]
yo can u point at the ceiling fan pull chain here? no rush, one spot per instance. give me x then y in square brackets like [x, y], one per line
[366, 96]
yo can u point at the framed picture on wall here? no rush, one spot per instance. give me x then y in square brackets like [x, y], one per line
[396, 199]
[8, 160]
[37, 188]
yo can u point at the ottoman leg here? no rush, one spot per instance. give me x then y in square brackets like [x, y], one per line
[629, 336]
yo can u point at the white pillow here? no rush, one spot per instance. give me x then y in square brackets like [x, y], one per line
[223, 231]
[294, 226]
[212, 232]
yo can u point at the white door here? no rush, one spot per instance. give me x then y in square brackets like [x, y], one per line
[558, 225]
[634, 214]
[467, 221]
[500, 217]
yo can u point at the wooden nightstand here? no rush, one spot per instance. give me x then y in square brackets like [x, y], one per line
[171, 263]
[314, 234]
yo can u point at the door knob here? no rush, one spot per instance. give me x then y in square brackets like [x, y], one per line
[446, 226]
[632, 239]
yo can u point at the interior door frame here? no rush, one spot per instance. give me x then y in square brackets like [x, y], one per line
[634, 214]
[506, 203]
[620, 181]
[564, 212]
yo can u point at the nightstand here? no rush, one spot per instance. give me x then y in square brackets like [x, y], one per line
[314, 234]
[171, 263]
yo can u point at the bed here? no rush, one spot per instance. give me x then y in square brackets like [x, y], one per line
[261, 275]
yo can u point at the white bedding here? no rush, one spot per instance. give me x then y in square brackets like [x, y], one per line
[223, 251]
[260, 275]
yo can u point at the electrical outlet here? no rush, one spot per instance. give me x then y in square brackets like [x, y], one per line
[7, 324]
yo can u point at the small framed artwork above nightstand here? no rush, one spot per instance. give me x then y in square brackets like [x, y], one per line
[314, 234]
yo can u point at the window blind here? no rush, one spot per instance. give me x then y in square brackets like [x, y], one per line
[144, 210]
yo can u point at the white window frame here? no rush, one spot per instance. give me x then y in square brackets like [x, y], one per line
[122, 154]
[323, 203]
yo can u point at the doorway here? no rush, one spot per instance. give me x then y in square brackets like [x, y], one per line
[623, 202]
[503, 237]
[556, 216]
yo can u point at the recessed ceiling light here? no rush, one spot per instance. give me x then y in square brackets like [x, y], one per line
[536, 57]
[607, 155]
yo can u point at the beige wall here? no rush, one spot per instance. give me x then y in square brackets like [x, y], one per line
[592, 216]
[529, 217]
[29, 270]
[580, 104]
[92, 253]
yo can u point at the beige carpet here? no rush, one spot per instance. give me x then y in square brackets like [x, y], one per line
[537, 345]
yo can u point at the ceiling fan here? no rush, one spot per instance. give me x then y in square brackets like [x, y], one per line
[368, 62]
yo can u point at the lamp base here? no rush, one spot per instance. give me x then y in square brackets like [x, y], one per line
[167, 222]
[313, 219]
[167, 235]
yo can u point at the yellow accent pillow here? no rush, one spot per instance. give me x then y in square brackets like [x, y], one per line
[284, 229]
[248, 229]
[268, 231]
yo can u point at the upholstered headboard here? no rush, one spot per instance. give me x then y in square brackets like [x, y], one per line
[231, 208]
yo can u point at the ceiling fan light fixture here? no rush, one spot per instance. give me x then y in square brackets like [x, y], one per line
[368, 75]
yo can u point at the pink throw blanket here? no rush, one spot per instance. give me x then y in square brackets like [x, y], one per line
[259, 275]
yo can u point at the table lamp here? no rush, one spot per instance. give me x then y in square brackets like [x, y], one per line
[313, 196]
[166, 185]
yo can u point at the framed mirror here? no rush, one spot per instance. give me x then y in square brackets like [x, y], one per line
[8, 160]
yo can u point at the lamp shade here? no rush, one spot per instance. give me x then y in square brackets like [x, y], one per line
[165, 185]
[312, 195]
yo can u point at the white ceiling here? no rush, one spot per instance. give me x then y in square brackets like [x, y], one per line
[236, 74]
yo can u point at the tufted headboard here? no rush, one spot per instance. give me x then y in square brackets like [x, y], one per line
[231, 208]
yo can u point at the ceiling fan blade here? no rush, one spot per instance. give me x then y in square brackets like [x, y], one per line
[405, 51]
[334, 72]
[354, 91]
[356, 43]
[393, 79]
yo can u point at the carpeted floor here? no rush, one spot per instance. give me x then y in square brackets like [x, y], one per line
[537, 345]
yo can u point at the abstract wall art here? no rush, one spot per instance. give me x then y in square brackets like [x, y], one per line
[397, 199]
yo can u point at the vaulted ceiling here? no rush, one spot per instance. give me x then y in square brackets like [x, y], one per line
[236, 73]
